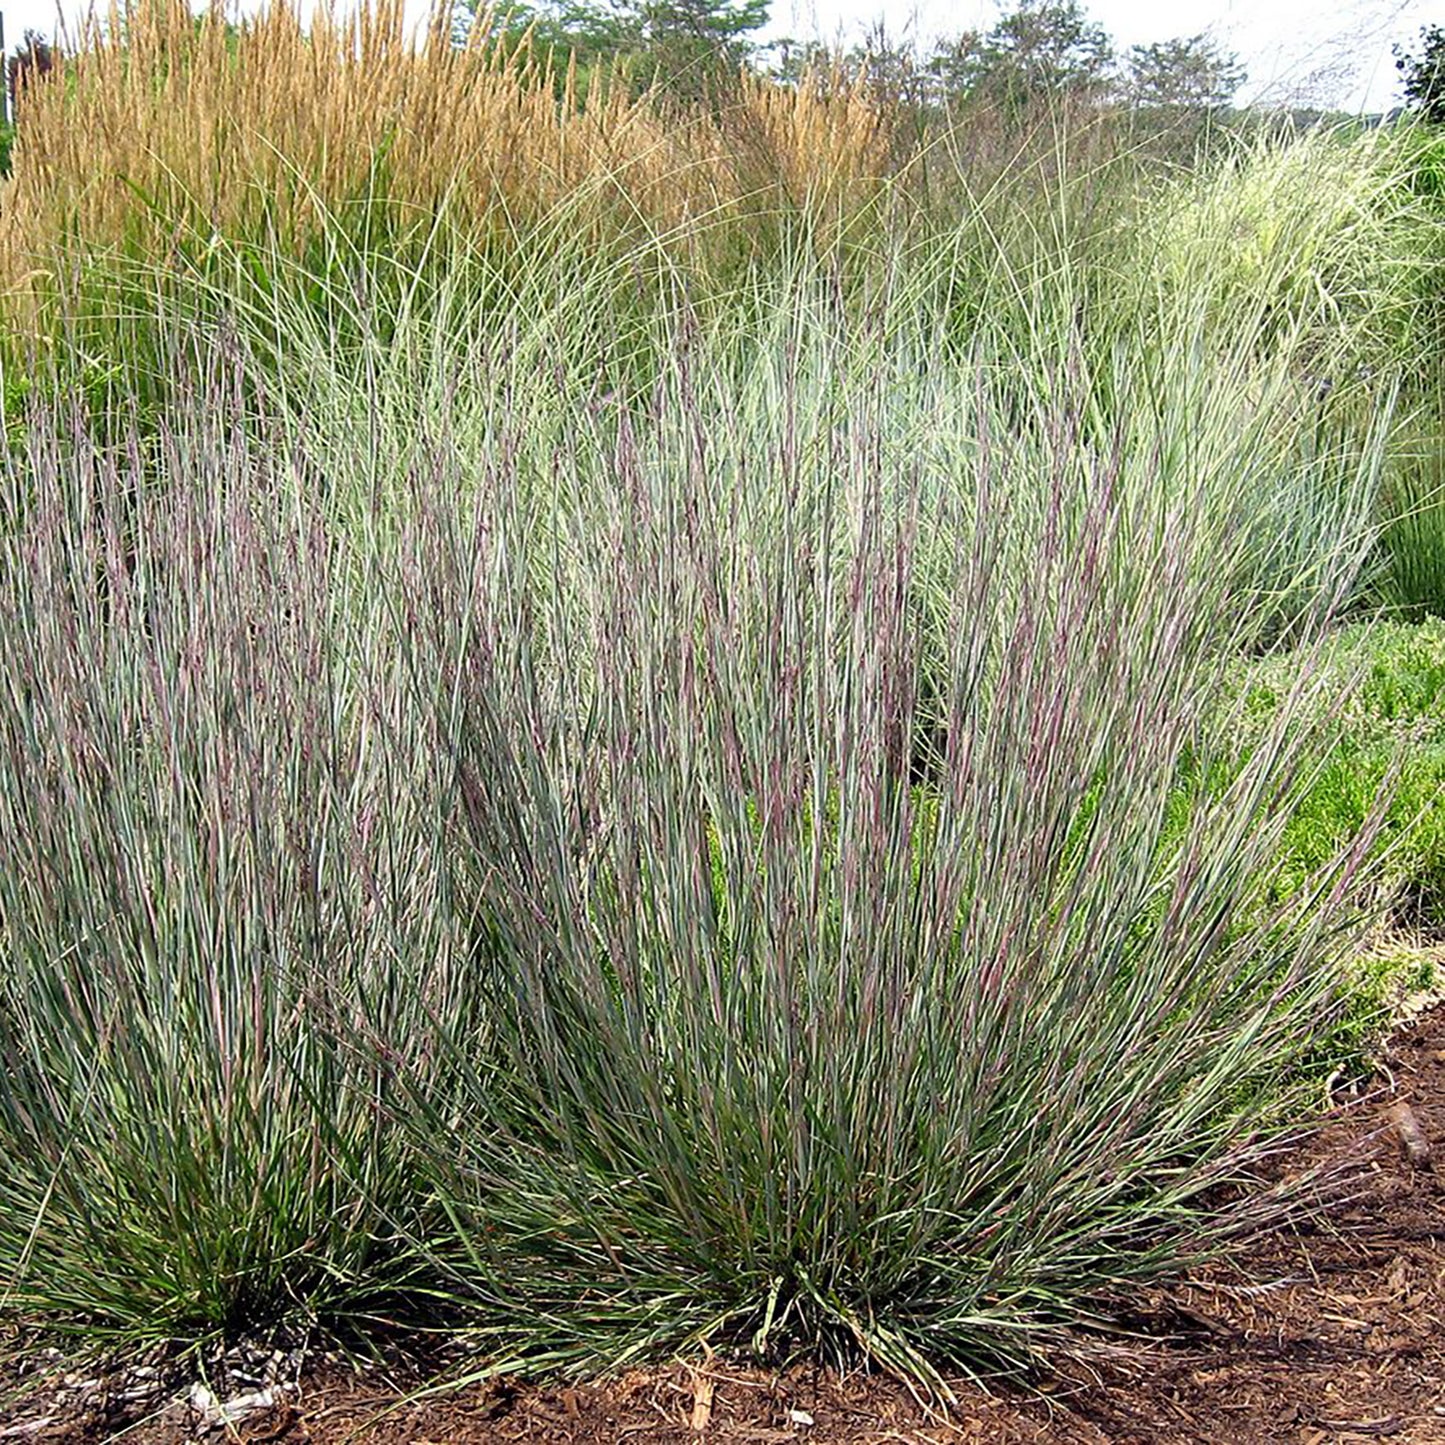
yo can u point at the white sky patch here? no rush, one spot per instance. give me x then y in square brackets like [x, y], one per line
[1331, 53]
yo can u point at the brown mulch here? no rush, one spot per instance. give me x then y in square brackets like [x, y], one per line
[1333, 1331]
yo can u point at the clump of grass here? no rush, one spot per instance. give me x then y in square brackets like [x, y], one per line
[1318, 242]
[1320, 252]
[1410, 572]
[265, 129]
[798, 1041]
[213, 858]
[261, 156]
[648, 841]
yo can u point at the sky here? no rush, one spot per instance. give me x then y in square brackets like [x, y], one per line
[1310, 51]
[1296, 51]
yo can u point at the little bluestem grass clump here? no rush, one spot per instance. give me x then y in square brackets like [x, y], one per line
[213, 860]
[796, 1039]
[623, 865]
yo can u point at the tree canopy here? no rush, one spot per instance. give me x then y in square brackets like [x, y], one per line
[1424, 75]
[1190, 72]
[685, 44]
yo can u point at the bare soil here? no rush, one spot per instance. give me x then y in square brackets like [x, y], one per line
[1332, 1331]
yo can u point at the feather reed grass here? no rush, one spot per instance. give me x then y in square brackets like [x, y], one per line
[167, 132]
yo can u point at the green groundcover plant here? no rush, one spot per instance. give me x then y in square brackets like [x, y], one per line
[1393, 732]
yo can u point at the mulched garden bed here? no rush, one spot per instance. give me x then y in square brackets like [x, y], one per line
[1333, 1331]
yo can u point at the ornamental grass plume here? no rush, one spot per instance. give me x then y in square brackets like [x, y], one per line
[168, 133]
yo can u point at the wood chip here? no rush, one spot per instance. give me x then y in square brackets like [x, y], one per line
[26, 1427]
[1383, 1425]
[1412, 1138]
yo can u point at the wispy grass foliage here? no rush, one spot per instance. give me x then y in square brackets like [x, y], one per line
[637, 865]
[1410, 572]
[212, 854]
[816, 721]
[1321, 241]
[1320, 252]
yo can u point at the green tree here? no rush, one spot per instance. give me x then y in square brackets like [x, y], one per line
[691, 46]
[686, 45]
[1424, 75]
[891, 68]
[1042, 50]
[589, 31]
[794, 59]
[1190, 73]
[596, 31]
[960, 67]
[34, 57]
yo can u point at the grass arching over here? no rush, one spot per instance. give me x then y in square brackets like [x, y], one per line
[799, 1049]
[631, 866]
